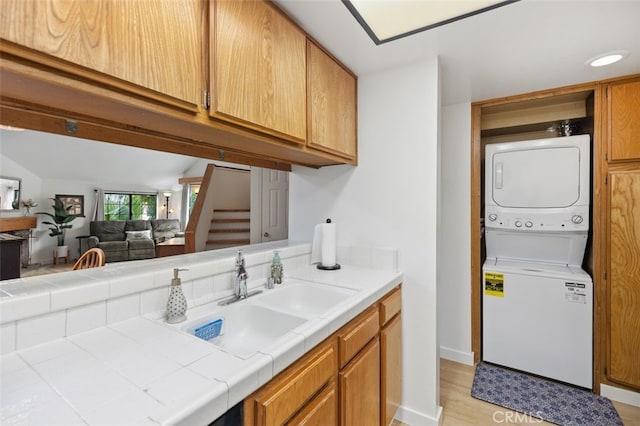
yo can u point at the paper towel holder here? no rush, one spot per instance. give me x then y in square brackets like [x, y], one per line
[331, 267]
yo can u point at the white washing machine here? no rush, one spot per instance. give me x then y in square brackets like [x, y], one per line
[537, 301]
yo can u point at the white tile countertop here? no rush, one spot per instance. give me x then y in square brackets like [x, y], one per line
[143, 371]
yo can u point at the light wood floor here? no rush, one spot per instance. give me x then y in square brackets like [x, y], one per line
[461, 409]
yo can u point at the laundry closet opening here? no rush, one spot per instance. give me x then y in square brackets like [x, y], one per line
[553, 115]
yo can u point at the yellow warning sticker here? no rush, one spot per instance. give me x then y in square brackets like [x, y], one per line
[493, 284]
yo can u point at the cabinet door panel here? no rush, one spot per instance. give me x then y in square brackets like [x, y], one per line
[360, 388]
[391, 369]
[321, 411]
[624, 285]
[259, 68]
[297, 387]
[624, 121]
[154, 44]
[332, 105]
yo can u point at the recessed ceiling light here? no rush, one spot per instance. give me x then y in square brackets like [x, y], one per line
[607, 58]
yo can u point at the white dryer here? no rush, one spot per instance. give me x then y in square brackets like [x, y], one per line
[537, 301]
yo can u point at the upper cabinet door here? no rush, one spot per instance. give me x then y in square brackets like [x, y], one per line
[152, 48]
[258, 69]
[331, 105]
[624, 121]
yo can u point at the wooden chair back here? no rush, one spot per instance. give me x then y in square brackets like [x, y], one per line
[91, 258]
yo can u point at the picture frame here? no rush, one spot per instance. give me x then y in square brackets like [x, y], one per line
[76, 201]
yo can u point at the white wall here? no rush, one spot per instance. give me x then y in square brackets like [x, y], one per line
[390, 200]
[454, 262]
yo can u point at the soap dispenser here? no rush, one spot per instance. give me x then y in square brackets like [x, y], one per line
[177, 303]
[276, 268]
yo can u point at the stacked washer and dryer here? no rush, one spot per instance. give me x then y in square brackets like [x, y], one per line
[537, 301]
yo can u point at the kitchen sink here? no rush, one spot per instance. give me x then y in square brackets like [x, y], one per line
[303, 298]
[245, 328]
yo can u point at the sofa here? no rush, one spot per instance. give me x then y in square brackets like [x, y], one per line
[131, 239]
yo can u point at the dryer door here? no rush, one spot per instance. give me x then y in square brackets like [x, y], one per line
[536, 178]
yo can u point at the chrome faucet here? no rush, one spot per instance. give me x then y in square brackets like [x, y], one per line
[240, 282]
[240, 287]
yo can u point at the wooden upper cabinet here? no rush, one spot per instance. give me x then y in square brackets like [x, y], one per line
[258, 68]
[331, 105]
[624, 121]
[624, 277]
[152, 48]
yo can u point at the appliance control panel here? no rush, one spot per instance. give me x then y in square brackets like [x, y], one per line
[575, 220]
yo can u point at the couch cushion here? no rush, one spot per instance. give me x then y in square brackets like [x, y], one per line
[107, 230]
[141, 244]
[108, 246]
[165, 228]
[139, 235]
[137, 225]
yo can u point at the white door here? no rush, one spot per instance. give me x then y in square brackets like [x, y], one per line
[275, 205]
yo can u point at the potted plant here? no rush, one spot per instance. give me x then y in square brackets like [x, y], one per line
[60, 221]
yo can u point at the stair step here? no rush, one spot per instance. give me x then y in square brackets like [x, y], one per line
[239, 241]
[230, 220]
[229, 230]
[231, 210]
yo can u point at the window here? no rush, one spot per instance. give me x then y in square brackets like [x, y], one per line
[128, 206]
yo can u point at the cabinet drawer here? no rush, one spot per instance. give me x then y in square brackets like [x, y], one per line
[390, 306]
[296, 386]
[357, 334]
[321, 410]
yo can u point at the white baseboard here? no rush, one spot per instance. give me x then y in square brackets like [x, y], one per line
[620, 395]
[456, 355]
[414, 418]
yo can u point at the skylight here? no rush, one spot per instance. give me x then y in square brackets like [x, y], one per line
[390, 20]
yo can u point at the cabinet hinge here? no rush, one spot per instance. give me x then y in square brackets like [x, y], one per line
[206, 99]
[606, 156]
[606, 179]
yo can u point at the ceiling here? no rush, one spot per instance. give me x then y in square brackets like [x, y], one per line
[51, 156]
[525, 46]
[521, 47]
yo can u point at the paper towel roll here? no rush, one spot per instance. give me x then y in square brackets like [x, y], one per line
[328, 244]
[323, 249]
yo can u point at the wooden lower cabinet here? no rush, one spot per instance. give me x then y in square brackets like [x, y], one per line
[359, 385]
[321, 411]
[624, 278]
[353, 378]
[390, 369]
[290, 391]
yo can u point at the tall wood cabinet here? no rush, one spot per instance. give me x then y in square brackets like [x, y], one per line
[622, 181]
[149, 48]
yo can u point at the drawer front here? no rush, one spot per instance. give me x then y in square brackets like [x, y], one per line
[356, 335]
[390, 306]
[305, 380]
[321, 411]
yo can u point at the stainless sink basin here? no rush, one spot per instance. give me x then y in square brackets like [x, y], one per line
[303, 298]
[246, 328]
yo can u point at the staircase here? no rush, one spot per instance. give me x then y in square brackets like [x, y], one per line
[229, 227]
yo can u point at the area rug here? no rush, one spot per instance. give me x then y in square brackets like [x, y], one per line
[544, 399]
